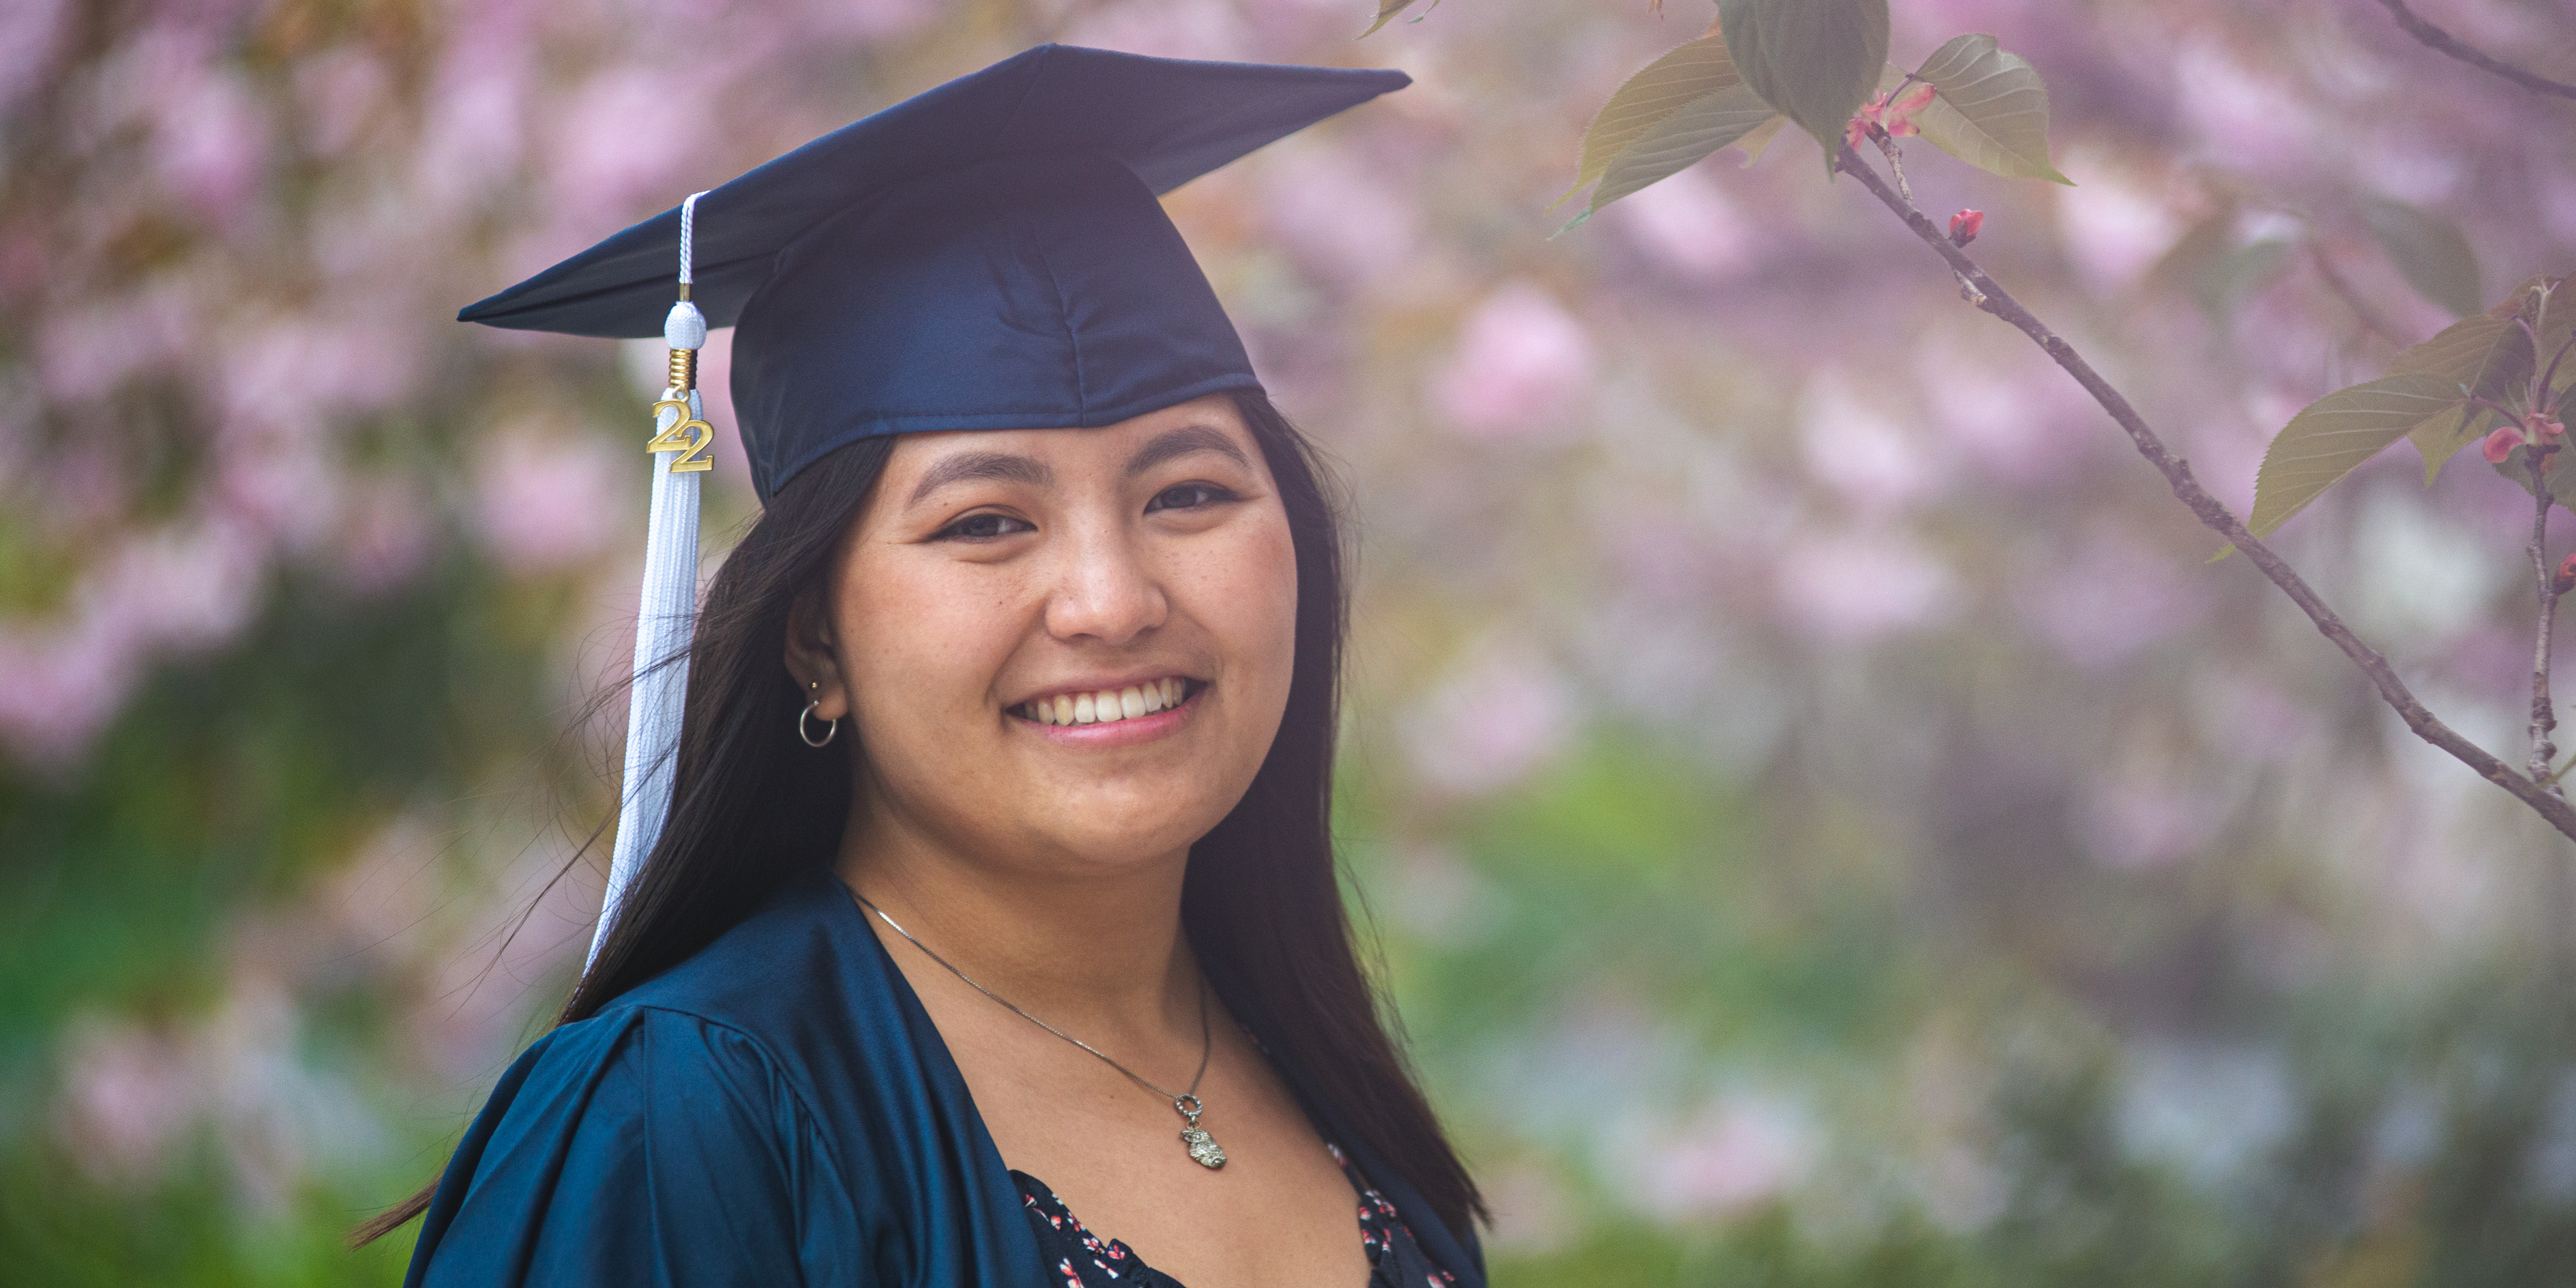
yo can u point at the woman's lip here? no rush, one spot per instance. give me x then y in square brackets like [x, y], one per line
[1118, 733]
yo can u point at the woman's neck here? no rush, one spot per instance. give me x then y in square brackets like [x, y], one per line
[1098, 950]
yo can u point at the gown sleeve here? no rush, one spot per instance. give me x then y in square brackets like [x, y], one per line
[645, 1147]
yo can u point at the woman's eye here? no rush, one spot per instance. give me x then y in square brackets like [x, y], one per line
[985, 527]
[1188, 496]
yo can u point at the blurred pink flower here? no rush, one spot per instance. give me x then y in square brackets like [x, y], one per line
[386, 534]
[1875, 462]
[2112, 596]
[1491, 722]
[1854, 587]
[2247, 120]
[1521, 365]
[338, 95]
[212, 142]
[1165, 29]
[2133, 821]
[618, 144]
[127, 1096]
[1733, 1155]
[2026, 428]
[84, 353]
[475, 128]
[30, 35]
[861, 19]
[546, 502]
[62, 690]
[1344, 222]
[1687, 224]
[2114, 229]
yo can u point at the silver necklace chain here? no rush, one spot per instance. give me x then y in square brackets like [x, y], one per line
[1187, 1104]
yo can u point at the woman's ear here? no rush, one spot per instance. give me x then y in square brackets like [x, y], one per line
[810, 657]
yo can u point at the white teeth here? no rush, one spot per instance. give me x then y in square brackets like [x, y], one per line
[1108, 705]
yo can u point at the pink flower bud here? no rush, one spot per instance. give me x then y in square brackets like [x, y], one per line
[2566, 579]
[1965, 225]
[2500, 444]
[2543, 429]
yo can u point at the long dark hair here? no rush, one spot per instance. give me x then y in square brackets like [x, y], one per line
[752, 804]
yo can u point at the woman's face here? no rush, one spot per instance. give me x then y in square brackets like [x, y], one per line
[1061, 649]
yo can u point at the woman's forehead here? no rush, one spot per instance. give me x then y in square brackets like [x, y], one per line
[924, 462]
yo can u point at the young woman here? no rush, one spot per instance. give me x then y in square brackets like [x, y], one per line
[997, 884]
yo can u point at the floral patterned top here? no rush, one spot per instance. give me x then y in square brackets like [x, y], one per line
[1076, 1258]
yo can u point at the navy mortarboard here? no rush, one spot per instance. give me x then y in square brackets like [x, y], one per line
[986, 255]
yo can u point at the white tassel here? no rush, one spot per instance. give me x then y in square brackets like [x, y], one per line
[664, 624]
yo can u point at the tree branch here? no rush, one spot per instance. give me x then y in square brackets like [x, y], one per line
[2213, 515]
[2444, 42]
[2544, 716]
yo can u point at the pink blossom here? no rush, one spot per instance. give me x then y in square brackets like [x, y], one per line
[2500, 444]
[127, 1096]
[1734, 1155]
[546, 502]
[1492, 722]
[212, 143]
[1344, 222]
[1521, 364]
[1855, 587]
[2114, 228]
[386, 534]
[1165, 29]
[30, 36]
[1687, 224]
[1965, 225]
[1877, 463]
[2113, 596]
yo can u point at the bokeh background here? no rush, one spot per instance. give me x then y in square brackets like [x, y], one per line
[1824, 820]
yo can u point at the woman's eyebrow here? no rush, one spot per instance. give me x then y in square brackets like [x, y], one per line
[966, 466]
[1181, 442]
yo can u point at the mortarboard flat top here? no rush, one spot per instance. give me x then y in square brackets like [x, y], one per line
[1169, 120]
[986, 255]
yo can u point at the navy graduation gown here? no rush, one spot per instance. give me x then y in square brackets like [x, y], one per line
[775, 1110]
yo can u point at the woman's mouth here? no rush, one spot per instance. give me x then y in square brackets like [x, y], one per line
[1110, 706]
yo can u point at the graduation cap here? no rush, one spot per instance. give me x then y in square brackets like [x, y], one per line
[989, 254]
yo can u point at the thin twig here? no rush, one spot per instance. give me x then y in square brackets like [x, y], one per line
[2444, 42]
[2213, 515]
[2544, 717]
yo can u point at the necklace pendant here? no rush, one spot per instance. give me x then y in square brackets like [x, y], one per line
[1204, 1150]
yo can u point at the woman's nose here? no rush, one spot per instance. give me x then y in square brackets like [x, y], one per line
[1105, 591]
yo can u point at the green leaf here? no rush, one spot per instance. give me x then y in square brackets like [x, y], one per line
[1386, 12]
[1666, 85]
[2493, 358]
[1992, 110]
[2324, 444]
[1755, 143]
[2430, 251]
[2483, 353]
[1680, 141]
[1813, 60]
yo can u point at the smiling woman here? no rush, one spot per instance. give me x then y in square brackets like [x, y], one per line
[999, 841]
